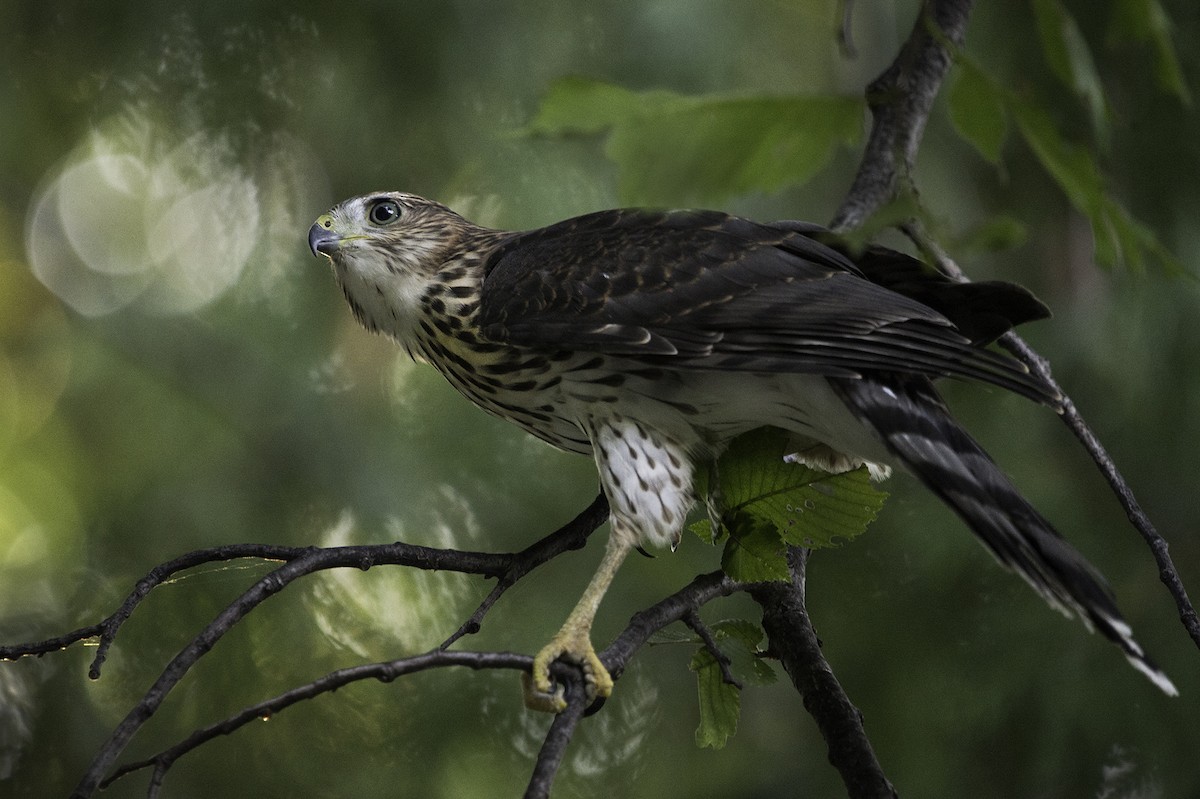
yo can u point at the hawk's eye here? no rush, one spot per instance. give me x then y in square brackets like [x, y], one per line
[384, 212]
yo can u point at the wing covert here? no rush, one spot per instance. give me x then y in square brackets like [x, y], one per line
[704, 290]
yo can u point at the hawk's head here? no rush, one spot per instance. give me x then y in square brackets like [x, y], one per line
[386, 248]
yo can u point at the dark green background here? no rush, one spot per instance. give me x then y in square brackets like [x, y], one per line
[154, 423]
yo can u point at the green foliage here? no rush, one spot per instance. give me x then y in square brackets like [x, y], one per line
[672, 148]
[770, 503]
[1120, 240]
[1000, 232]
[1070, 59]
[720, 702]
[1145, 22]
[980, 110]
[755, 551]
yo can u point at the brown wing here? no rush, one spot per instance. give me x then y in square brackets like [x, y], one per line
[703, 290]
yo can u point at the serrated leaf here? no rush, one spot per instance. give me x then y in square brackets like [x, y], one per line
[671, 635]
[749, 634]
[720, 703]
[703, 530]
[755, 552]
[808, 507]
[977, 111]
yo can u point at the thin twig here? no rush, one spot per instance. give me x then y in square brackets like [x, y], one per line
[384, 672]
[1167, 572]
[107, 628]
[572, 535]
[697, 625]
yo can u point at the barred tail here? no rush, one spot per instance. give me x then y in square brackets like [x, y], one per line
[917, 428]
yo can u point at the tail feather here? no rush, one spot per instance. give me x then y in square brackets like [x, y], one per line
[917, 428]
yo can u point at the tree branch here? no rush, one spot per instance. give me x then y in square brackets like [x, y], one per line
[303, 562]
[558, 737]
[644, 624]
[900, 100]
[792, 639]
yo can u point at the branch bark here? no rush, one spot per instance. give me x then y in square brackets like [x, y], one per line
[900, 100]
[793, 640]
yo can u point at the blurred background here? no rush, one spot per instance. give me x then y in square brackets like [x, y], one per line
[177, 372]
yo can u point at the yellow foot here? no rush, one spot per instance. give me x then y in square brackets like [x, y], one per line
[541, 693]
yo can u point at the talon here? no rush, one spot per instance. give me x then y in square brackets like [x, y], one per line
[541, 692]
[542, 700]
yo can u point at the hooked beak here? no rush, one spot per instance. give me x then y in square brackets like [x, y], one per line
[321, 238]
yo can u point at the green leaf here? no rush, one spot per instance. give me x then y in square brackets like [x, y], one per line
[711, 148]
[1072, 167]
[581, 105]
[1119, 239]
[672, 635]
[977, 111]
[720, 703]
[1144, 21]
[672, 148]
[1071, 60]
[739, 640]
[755, 552]
[808, 507]
[996, 234]
[703, 530]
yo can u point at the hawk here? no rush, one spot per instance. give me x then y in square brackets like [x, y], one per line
[649, 340]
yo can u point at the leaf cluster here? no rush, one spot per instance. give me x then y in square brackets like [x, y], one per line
[769, 502]
[983, 111]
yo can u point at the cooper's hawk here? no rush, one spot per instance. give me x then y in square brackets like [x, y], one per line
[650, 340]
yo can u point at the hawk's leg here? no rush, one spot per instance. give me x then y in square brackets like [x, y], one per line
[647, 477]
[574, 641]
